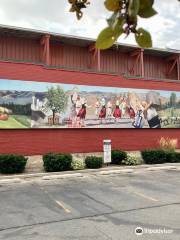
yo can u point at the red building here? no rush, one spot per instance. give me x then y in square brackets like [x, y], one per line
[41, 56]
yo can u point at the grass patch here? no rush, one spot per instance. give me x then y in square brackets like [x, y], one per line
[12, 123]
[24, 120]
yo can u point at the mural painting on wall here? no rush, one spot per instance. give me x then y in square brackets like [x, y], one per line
[26, 104]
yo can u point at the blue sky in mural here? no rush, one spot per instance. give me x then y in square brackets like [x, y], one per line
[20, 85]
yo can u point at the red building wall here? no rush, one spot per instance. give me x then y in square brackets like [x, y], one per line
[38, 141]
[75, 57]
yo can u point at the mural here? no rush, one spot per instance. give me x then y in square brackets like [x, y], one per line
[26, 104]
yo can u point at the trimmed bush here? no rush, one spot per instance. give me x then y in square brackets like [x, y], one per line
[93, 162]
[154, 156]
[11, 163]
[77, 164]
[117, 156]
[56, 162]
[170, 156]
[177, 157]
[132, 159]
[173, 157]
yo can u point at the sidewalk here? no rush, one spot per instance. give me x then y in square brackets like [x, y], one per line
[110, 170]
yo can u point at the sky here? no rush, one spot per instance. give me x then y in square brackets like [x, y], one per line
[53, 16]
[20, 85]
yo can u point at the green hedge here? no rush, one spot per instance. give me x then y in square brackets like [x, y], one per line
[56, 162]
[117, 156]
[93, 162]
[173, 157]
[11, 163]
[160, 156]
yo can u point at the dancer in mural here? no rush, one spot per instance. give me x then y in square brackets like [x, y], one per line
[82, 112]
[109, 109]
[123, 107]
[97, 108]
[78, 104]
[131, 113]
[117, 111]
[102, 114]
[74, 109]
[150, 113]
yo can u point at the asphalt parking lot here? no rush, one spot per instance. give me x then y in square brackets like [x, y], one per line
[93, 207]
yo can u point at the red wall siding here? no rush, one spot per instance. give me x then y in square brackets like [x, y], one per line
[69, 56]
[63, 55]
[39, 141]
[20, 49]
[117, 62]
[156, 67]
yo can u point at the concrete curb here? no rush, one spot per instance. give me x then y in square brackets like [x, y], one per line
[8, 179]
[62, 176]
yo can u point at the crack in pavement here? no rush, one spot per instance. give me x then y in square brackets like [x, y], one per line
[91, 216]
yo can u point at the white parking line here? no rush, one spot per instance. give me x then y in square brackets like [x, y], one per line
[63, 207]
[145, 196]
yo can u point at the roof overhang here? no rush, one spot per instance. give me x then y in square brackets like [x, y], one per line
[78, 41]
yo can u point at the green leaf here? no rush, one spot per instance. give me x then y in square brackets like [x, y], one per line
[112, 20]
[113, 5]
[133, 8]
[118, 27]
[105, 39]
[147, 12]
[146, 9]
[108, 36]
[146, 3]
[143, 38]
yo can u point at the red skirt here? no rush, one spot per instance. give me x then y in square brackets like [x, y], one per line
[131, 113]
[102, 113]
[82, 113]
[117, 113]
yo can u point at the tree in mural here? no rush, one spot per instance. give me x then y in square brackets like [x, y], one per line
[124, 20]
[57, 100]
[173, 99]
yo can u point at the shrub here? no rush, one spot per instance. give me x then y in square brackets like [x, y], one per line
[55, 162]
[132, 159]
[117, 156]
[177, 159]
[154, 156]
[93, 162]
[173, 157]
[11, 163]
[170, 156]
[168, 144]
[77, 164]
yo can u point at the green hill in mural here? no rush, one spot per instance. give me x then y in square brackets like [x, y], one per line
[15, 121]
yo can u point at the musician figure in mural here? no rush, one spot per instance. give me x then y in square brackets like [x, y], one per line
[117, 111]
[150, 113]
[102, 114]
[139, 120]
